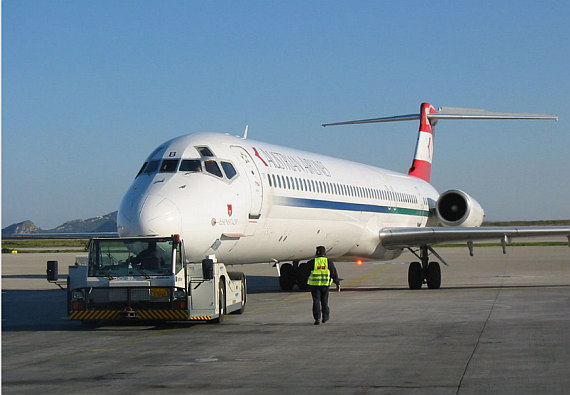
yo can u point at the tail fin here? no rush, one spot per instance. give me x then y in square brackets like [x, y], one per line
[421, 166]
[428, 116]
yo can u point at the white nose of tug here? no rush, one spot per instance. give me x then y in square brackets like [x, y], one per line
[148, 215]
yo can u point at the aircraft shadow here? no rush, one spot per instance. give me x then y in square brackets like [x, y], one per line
[24, 276]
[262, 284]
[444, 288]
[45, 310]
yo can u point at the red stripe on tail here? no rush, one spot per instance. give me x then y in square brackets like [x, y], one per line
[421, 166]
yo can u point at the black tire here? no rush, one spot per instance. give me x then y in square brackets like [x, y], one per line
[433, 275]
[287, 277]
[221, 302]
[303, 272]
[415, 275]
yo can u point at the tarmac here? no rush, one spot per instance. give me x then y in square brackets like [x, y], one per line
[499, 324]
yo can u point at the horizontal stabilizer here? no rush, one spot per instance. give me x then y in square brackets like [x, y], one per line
[451, 113]
[470, 113]
[408, 117]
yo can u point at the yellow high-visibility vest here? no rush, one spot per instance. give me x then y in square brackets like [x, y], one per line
[321, 275]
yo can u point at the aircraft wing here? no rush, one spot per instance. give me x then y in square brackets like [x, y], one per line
[398, 238]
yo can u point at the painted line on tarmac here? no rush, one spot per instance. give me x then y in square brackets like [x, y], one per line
[368, 276]
[306, 296]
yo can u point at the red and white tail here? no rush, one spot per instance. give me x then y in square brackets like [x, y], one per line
[421, 166]
[428, 116]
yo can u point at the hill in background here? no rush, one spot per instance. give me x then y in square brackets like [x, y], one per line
[105, 223]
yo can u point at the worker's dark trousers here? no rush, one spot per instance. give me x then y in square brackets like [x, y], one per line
[320, 300]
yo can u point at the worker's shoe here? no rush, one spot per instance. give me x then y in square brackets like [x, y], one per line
[324, 320]
[316, 322]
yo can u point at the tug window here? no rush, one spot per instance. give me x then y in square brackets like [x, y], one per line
[191, 165]
[213, 168]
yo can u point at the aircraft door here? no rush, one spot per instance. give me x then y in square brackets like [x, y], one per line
[254, 178]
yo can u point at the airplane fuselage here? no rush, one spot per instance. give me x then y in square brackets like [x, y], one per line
[249, 202]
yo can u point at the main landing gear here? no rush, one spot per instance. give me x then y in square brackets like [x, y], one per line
[291, 274]
[424, 271]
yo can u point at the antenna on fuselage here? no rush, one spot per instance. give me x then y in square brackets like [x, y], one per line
[245, 132]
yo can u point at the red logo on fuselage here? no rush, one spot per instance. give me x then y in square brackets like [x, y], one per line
[259, 156]
[230, 210]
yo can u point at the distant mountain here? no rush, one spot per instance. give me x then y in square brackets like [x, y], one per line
[105, 223]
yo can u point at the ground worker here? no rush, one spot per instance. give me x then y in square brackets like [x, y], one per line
[323, 274]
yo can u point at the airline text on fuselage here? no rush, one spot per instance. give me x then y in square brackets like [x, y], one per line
[278, 160]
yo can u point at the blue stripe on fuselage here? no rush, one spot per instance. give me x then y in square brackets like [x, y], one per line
[327, 204]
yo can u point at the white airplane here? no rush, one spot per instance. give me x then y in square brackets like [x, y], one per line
[252, 202]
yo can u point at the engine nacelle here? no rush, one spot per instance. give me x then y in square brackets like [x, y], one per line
[456, 208]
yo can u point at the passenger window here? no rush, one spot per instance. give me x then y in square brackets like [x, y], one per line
[205, 151]
[152, 167]
[213, 168]
[191, 165]
[269, 179]
[229, 170]
[142, 168]
[169, 165]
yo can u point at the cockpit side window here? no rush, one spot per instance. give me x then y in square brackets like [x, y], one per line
[205, 151]
[213, 168]
[169, 165]
[142, 168]
[191, 165]
[229, 170]
[152, 167]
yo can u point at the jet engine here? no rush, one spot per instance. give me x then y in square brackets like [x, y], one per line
[457, 208]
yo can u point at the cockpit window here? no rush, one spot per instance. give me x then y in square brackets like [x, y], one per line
[169, 165]
[229, 170]
[152, 167]
[205, 151]
[142, 168]
[213, 168]
[191, 165]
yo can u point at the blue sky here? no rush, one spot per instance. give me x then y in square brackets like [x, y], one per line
[90, 88]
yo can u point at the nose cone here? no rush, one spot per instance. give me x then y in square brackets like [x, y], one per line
[150, 215]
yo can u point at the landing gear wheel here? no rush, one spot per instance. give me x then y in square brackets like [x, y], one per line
[303, 273]
[415, 275]
[433, 275]
[287, 277]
